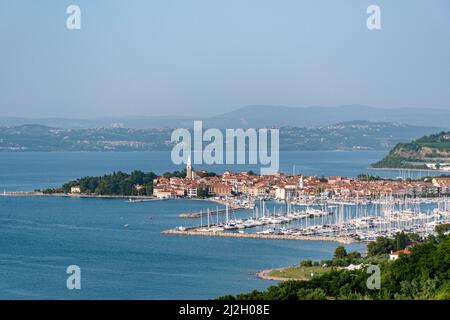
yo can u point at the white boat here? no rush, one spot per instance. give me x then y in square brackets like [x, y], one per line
[216, 229]
[230, 227]
[267, 231]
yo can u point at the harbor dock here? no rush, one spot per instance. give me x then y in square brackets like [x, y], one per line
[343, 223]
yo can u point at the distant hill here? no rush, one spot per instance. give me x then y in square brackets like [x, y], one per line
[42, 138]
[354, 135]
[351, 135]
[258, 117]
[279, 116]
[428, 152]
[135, 123]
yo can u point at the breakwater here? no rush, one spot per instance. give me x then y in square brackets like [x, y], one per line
[193, 232]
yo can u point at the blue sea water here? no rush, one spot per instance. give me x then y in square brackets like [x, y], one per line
[41, 236]
[26, 171]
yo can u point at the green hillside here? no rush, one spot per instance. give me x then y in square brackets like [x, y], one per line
[428, 152]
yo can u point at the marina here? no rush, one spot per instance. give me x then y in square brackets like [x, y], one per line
[343, 222]
[228, 206]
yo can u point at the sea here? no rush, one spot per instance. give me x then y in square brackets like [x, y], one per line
[118, 245]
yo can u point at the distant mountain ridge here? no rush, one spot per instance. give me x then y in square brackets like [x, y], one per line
[261, 116]
[258, 116]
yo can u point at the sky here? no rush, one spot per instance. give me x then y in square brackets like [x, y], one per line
[207, 57]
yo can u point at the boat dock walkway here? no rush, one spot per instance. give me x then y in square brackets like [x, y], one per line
[193, 232]
[204, 213]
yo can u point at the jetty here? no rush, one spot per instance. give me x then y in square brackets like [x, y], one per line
[194, 232]
[78, 195]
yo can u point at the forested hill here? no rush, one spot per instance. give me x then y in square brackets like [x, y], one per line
[431, 151]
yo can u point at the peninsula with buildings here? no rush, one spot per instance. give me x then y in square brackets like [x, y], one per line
[302, 207]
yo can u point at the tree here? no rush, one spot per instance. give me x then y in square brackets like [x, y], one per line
[202, 192]
[311, 294]
[306, 263]
[381, 245]
[401, 241]
[354, 255]
[175, 174]
[442, 228]
[340, 252]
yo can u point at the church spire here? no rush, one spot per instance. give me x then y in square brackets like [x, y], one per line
[188, 168]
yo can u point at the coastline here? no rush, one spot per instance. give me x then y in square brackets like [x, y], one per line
[73, 195]
[86, 195]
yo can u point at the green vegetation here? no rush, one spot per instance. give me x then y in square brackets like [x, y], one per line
[299, 272]
[202, 193]
[443, 228]
[306, 263]
[118, 183]
[384, 245]
[423, 274]
[438, 141]
[340, 252]
[206, 174]
[175, 174]
[433, 148]
[137, 183]
[342, 258]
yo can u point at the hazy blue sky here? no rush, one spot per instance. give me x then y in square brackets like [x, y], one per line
[170, 57]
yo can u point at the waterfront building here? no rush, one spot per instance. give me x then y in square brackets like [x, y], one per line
[162, 192]
[75, 189]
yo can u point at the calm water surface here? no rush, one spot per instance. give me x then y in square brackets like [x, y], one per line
[27, 171]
